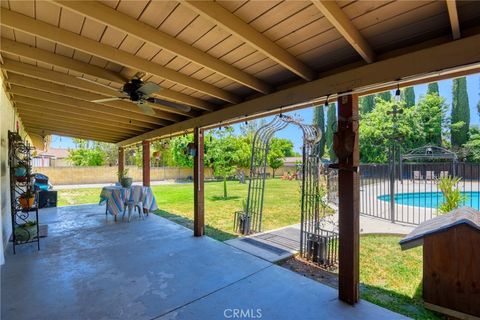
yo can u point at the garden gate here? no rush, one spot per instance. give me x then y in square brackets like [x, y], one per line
[316, 242]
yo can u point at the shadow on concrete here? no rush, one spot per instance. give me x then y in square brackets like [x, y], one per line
[210, 231]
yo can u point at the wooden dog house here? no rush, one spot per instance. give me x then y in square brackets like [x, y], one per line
[451, 262]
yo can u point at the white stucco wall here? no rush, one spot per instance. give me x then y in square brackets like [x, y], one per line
[7, 122]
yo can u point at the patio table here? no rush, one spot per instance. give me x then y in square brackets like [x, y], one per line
[117, 197]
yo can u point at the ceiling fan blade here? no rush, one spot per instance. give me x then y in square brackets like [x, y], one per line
[177, 106]
[148, 88]
[107, 99]
[98, 83]
[146, 108]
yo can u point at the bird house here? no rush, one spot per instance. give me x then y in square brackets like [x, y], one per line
[451, 262]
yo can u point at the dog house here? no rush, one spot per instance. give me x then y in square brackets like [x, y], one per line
[451, 262]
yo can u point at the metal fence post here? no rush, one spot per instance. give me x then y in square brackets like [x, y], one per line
[392, 184]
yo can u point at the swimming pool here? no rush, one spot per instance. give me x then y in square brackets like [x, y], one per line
[431, 199]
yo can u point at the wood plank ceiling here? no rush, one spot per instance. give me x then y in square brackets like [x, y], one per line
[206, 55]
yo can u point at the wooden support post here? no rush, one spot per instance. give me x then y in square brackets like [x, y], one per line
[349, 202]
[198, 193]
[146, 162]
[121, 161]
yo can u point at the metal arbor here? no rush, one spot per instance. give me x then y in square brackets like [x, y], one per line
[313, 237]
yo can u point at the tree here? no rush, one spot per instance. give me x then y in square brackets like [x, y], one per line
[331, 123]
[367, 103]
[279, 149]
[460, 117]
[409, 97]
[377, 128]
[386, 95]
[319, 121]
[178, 147]
[93, 153]
[86, 157]
[223, 155]
[433, 88]
[473, 145]
[431, 110]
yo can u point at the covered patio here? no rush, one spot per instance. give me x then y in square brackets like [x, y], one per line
[89, 268]
[207, 65]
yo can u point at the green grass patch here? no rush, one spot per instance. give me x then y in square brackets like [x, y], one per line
[392, 278]
[175, 202]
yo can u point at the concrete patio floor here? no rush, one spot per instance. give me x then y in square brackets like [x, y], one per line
[154, 269]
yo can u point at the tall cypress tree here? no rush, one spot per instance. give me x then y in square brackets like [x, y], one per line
[460, 112]
[319, 120]
[432, 88]
[331, 124]
[367, 103]
[386, 95]
[409, 97]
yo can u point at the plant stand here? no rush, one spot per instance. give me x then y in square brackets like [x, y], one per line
[19, 151]
[29, 235]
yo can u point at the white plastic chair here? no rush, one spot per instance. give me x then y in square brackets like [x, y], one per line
[134, 201]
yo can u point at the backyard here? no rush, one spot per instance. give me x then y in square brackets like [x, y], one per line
[389, 277]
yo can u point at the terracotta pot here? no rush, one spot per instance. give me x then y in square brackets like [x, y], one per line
[27, 203]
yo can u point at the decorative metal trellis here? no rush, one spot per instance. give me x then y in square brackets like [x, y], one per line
[316, 242]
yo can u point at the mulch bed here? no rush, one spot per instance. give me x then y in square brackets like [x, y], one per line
[311, 270]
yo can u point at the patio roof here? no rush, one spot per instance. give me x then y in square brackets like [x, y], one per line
[224, 59]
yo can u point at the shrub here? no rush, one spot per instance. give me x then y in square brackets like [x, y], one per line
[453, 197]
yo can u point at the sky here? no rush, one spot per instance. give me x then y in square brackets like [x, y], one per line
[293, 133]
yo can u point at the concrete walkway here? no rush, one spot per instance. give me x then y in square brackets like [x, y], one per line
[89, 268]
[280, 244]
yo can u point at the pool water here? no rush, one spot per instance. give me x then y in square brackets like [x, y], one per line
[431, 199]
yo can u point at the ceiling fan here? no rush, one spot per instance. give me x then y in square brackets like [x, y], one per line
[139, 92]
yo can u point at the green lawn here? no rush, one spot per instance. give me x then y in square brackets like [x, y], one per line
[391, 277]
[175, 202]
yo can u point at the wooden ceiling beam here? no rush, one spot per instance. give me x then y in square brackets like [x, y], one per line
[46, 125]
[70, 39]
[106, 117]
[28, 116]
[345, 27]
[40, 55]
[86, 96]
[120, 21]
[41, 132]
[453, 15]
[46, 96]
[228, 21]
[445, 58]
[72, 118]
[26, 51]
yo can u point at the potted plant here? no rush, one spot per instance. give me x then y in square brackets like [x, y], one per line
[124, 180]
[27, 199]
[21, 170]
[242, 220]
[26, 231]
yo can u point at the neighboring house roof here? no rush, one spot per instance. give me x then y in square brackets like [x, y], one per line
[291, 160]
[57, 153]
[464, 215]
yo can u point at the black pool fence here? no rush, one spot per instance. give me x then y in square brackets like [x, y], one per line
[412, 195]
